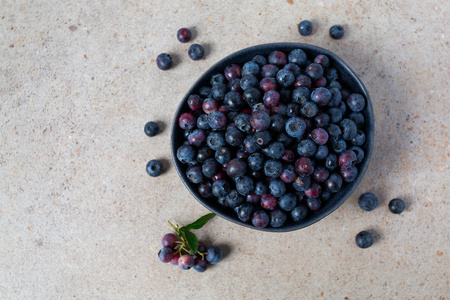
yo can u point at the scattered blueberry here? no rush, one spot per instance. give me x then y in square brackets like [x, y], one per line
[164, 61]
[151, 129]
[196, 51]
[305, 27]
[154, 168]
[184, 35]
[337, 31]
[396, 206]
[368, 201]
[364, 240]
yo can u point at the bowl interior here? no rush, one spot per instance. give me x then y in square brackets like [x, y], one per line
[347, 78]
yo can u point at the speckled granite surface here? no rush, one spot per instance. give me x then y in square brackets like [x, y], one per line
[80, 218]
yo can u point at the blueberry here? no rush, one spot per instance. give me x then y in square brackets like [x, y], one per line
[234, 199]
[339, 146]
[174, 260]
[165, 254]
[260, 120]
[285, 78]
[335, 114]
[253, 198]
[261, 188]
[331, 162]
[332, 75]
[242, 154]
[295, 127]
[184, 35]
[336, 96]
[260, 60]
[325, 196]
[269, 70]
[194, 174]
[356, 102]
[209, 105]
[235, 85]
[236, 167]
[319, 136]
[205, 190]
[218, 91]
[277, 218]
[313, 191]
[210, 167]
[252, 96]
[301, 95]
[302, 183]
[271, 98]
[313, 204]
[151, 129]
[288, 156]
[337, 31]
[321, 174]
[187, 121]
[288, 174]
[320, 83]
[277, 58]
[309, 109]
[164, 61]
[277, 123]
[262, 138]
[216, 79]
[364, 240]
[260, 219]
[273, 168]
[347, 159]
[214, 255]
[306, 148]
[293, 110]
[245, 211]
[358, 118]
[196, 51]
[202, 122]
[169, 240]
[223, 155]
[302, 81]
[249, 81]
[321, 96]
[349, 174]
[269, 202]
[220, 188]
[335, 84]
[251, 68]
[349, 129]
[305, 27]
[322, 60]
[275, 150]
[255, 161]
[294, 69]
[396, 206]
[334, 183]
[197, 137]
[232, 71]
[154, 168]
[334, 132]
[315, 71]
[322, 152]
[359, 154]
[222, 201]
[249, 144]
[267, 84]
[185, 154]
[368, 201]
[359, 139]
[277, 188]
[215, 140]
[304, 166]
[322, 119]
[203, 154]
[234, 101]
[298, 57]
[299, 213]
[244, 185]
[287, 202]
[234, 137]
[284, 139]
[200, 265]
[342, 107]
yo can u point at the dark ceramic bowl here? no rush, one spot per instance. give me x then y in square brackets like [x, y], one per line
[347, 78]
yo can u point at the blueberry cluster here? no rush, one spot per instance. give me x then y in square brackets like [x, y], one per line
[173, 250]
[274, 138]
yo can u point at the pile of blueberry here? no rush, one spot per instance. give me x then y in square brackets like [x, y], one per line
[198, 261]
[274, 138]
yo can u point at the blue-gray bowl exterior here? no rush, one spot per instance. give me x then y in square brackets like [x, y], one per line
[347, 78]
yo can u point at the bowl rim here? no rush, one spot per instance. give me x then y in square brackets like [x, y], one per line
[269, 47]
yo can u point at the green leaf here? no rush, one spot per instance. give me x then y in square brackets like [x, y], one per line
[191, 240]
[200, 222]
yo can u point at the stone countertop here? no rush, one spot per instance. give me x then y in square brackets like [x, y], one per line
[80, 218]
